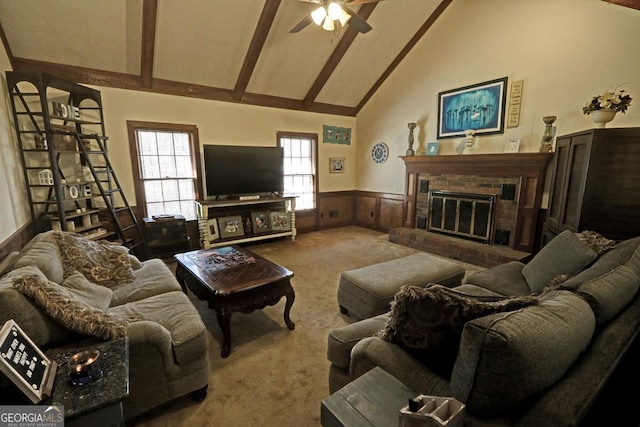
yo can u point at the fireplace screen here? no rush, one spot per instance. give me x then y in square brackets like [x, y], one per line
[463, 215]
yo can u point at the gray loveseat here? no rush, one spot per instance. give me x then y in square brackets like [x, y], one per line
[168, 343]
[541, 365]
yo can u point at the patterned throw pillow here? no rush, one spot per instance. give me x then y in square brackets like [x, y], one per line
[427, 322]
[103, 263]
[597, 242]
[71, 313]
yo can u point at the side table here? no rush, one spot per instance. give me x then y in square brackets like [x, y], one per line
[374, 399]
[98, 403]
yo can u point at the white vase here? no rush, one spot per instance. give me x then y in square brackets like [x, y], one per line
[602, 117]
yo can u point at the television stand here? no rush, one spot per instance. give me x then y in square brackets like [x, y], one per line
[227, 222]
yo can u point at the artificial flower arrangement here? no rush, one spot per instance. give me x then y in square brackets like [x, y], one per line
[617, 100]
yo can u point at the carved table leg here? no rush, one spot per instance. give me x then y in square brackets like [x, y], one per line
[291, 296]
[223, 313]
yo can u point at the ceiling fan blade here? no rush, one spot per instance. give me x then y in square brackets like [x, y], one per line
[352, 2]
[357, 22]
[302, 24]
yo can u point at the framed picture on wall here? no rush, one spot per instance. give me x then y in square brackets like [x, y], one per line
[336, 165]
[479, 106]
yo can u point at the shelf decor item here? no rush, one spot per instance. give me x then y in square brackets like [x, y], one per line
[469, 141]
[279, 220]
[603, 108]
[410, 151]
[480, 107]
[231, 226]
[260, 221]
[546, 145]
[432, 148]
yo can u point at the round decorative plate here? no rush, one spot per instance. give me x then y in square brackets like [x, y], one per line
[380, 152]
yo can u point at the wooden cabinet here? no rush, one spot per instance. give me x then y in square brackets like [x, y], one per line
[595, 183]
[227, 222]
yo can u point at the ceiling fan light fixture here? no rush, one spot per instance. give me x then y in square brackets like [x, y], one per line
[344, 17]
[318, 15]
[328, 24]
[335, 11]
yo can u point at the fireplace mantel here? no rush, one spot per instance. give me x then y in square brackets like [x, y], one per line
[529, 168]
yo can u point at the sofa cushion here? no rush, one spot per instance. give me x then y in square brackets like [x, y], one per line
[43, 252]
[103, 263]
[175, 312]
[91, 294]
[341, 340]
[427, 322]
[153, 278]
[504, 279]
[60, 304]
[610, 283]
[563, 255]
[507, 358]
[37, 325]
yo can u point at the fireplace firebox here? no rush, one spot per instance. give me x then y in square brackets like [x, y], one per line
[468, 216]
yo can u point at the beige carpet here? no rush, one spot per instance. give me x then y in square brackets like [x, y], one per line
[273, 376]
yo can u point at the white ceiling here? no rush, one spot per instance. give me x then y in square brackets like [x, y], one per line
[228, 50]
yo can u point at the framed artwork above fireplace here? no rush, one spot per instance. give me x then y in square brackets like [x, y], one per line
[480, 107]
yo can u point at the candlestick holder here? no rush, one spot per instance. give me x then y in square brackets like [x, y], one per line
[410, 151]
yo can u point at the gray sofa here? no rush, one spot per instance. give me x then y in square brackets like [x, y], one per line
[544, 364]
[168, 343]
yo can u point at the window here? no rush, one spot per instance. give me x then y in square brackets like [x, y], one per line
[164, 160]
[299, 167]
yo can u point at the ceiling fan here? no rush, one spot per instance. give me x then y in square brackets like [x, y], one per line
[334, 13]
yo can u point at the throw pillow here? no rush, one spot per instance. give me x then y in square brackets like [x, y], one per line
[71, 313]
[94, 295]
[598, 243]
[564, 254]
[103, 263]
[428, 322]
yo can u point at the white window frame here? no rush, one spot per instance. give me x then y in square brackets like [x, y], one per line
[307, 199]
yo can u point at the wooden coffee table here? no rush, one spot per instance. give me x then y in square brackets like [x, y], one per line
[239, 288]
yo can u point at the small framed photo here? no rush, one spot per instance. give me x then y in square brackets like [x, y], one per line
[231, 226]
[432, 148]
[280, 220]
[212, 226]
[336, 164]
[260, 221]
[512, 146]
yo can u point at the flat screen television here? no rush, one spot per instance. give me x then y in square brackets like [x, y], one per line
[232, 170]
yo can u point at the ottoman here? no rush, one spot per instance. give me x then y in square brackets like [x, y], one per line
[366, 292]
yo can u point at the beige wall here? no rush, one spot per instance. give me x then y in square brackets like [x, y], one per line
[554, 46]
[14, 208]
[221, 123]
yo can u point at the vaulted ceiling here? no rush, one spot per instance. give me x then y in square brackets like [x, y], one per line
[228, 50]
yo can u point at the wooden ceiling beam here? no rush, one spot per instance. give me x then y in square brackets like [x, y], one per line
[255, 48]
[169, 87]
[5, 43]
[336, 56]
[634, 4]
[414, 40]
[149, 19]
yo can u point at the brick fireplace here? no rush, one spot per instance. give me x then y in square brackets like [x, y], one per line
[481, 209]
